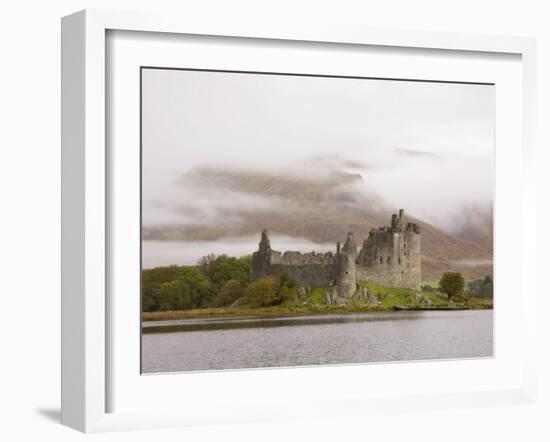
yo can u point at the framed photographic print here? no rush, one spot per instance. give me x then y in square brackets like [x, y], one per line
[236, 165]
[250, 213]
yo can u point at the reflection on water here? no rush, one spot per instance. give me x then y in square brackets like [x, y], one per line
[254, 322]
[247, 342]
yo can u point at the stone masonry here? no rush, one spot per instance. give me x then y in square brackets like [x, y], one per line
[390, 257]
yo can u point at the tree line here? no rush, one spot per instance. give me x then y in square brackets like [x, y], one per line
[221, 281]
[216, 281]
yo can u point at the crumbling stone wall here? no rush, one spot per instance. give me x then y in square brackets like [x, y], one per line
[298, 258]
[313, 275]
[313, 269]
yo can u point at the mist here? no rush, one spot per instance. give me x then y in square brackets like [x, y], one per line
[165, 253]
[425, 147]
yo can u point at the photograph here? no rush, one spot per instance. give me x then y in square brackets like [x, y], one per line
[296, 219]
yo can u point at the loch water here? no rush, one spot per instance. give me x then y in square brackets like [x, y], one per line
[251, 342]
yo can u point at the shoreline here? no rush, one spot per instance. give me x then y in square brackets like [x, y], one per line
[278, 311]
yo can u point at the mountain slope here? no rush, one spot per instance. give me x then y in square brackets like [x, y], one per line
[321, 206]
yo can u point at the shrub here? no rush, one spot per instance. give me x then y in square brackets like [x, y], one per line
[271, 291]
[263, 292]
[287, 281]
[230, 292]
[452, 284]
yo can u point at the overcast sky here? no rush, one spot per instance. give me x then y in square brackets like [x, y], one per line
[277, 122]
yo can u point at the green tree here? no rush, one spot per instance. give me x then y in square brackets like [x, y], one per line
[174, 295]
[202, 292]
[487, 289]
[148, 298]
[159, 275]
[176, 288]
[287, 281]
[270, 291]
[206, 264]
[230, 292]
[263, 292]
[148, 303]
[482, 288]
[452, 284]
[224, 268]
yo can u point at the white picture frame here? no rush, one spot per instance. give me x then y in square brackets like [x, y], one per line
[86, 205]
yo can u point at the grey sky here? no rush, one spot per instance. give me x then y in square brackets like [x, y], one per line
[275, 122]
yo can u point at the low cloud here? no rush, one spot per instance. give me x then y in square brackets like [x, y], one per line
[164, 253]
[446, 191]
[472, 263]
[352, 144]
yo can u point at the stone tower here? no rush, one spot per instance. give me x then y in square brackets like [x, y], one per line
[390, 256]
[261, 260]
[345, 268]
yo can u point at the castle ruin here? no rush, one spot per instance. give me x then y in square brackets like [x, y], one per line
[390, 257]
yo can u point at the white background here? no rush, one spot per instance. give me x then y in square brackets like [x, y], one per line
[263, 389]
[30, 182]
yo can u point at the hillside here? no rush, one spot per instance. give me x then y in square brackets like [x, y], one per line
[320, 207]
